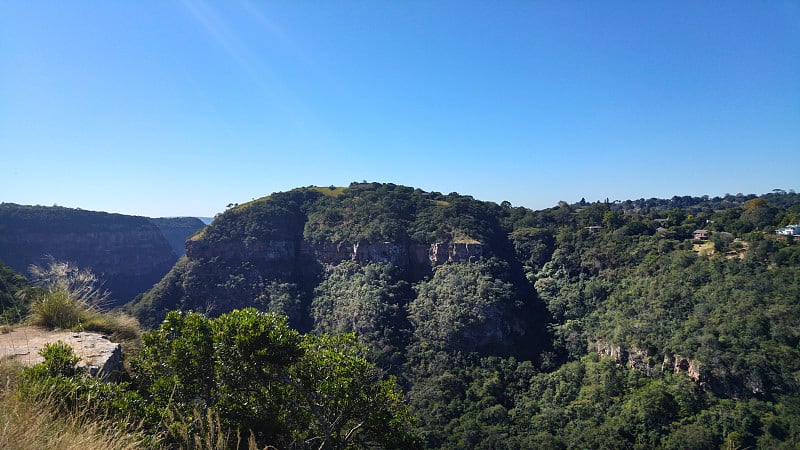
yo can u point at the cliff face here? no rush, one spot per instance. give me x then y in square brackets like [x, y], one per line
[251, 252]
[128, 253]
[286, 253]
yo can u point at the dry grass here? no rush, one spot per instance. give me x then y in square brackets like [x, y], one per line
[706, 248]
[327, 191]
[72, 299]
[27, 426]
[207, 433]
[118, 326]
[33, 425]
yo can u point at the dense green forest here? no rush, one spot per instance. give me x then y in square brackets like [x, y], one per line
[586, 325]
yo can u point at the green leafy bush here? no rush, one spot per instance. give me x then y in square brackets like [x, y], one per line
[261, 377]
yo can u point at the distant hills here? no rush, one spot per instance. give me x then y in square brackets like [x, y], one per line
[129, 253]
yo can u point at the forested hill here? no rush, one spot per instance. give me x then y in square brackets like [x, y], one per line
[129, 253]
[585, 325]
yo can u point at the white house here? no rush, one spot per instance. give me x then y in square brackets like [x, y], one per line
[789, 230]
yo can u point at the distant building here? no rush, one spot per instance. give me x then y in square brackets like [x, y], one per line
[789, 230]
[700, 235]
[594, 228]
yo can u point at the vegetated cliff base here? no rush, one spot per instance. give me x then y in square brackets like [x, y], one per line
[129, 253]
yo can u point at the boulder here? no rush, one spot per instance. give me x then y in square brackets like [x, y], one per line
[98, 356]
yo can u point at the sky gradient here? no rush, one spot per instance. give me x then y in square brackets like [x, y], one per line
[168, 108]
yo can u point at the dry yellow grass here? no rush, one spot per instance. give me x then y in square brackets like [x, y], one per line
[25, 425]
[706, 248]
[335, 192]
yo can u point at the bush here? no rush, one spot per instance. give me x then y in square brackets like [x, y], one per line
[59, 360]
[253, 374]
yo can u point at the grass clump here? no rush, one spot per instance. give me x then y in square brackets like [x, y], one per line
[72, 298]
[29, 425]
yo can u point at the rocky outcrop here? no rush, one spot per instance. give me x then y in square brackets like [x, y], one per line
[128, 253]
[441, 253]
[98, 356]
[285, 252]
[397, 254]
[334, 253]
[679, 364]
[647, 361]
[267, 251]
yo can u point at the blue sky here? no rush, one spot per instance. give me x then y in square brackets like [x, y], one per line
[164, 108]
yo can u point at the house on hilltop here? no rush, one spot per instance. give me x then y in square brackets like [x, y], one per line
[700, 235]
[789, 230]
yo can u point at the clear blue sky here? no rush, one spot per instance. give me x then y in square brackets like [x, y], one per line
[164, 108]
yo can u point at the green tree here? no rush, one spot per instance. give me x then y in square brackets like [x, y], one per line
[366, 300]
[260, 376]
[465, 306]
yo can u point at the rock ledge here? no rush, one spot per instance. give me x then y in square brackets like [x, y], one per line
[99, 356]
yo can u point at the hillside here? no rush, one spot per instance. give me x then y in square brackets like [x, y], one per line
[278, 252]
[129, 253]
[584, 325]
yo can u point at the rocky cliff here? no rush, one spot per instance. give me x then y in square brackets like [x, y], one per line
[128, 253]
[282, 252]
[294, 238]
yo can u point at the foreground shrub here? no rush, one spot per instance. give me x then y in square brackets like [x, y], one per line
[261, 377]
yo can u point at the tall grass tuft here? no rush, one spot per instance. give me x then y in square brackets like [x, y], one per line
[72, 298]
[68, 298]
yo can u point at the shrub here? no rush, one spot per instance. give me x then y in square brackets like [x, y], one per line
[254, 374]
[59, 360]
